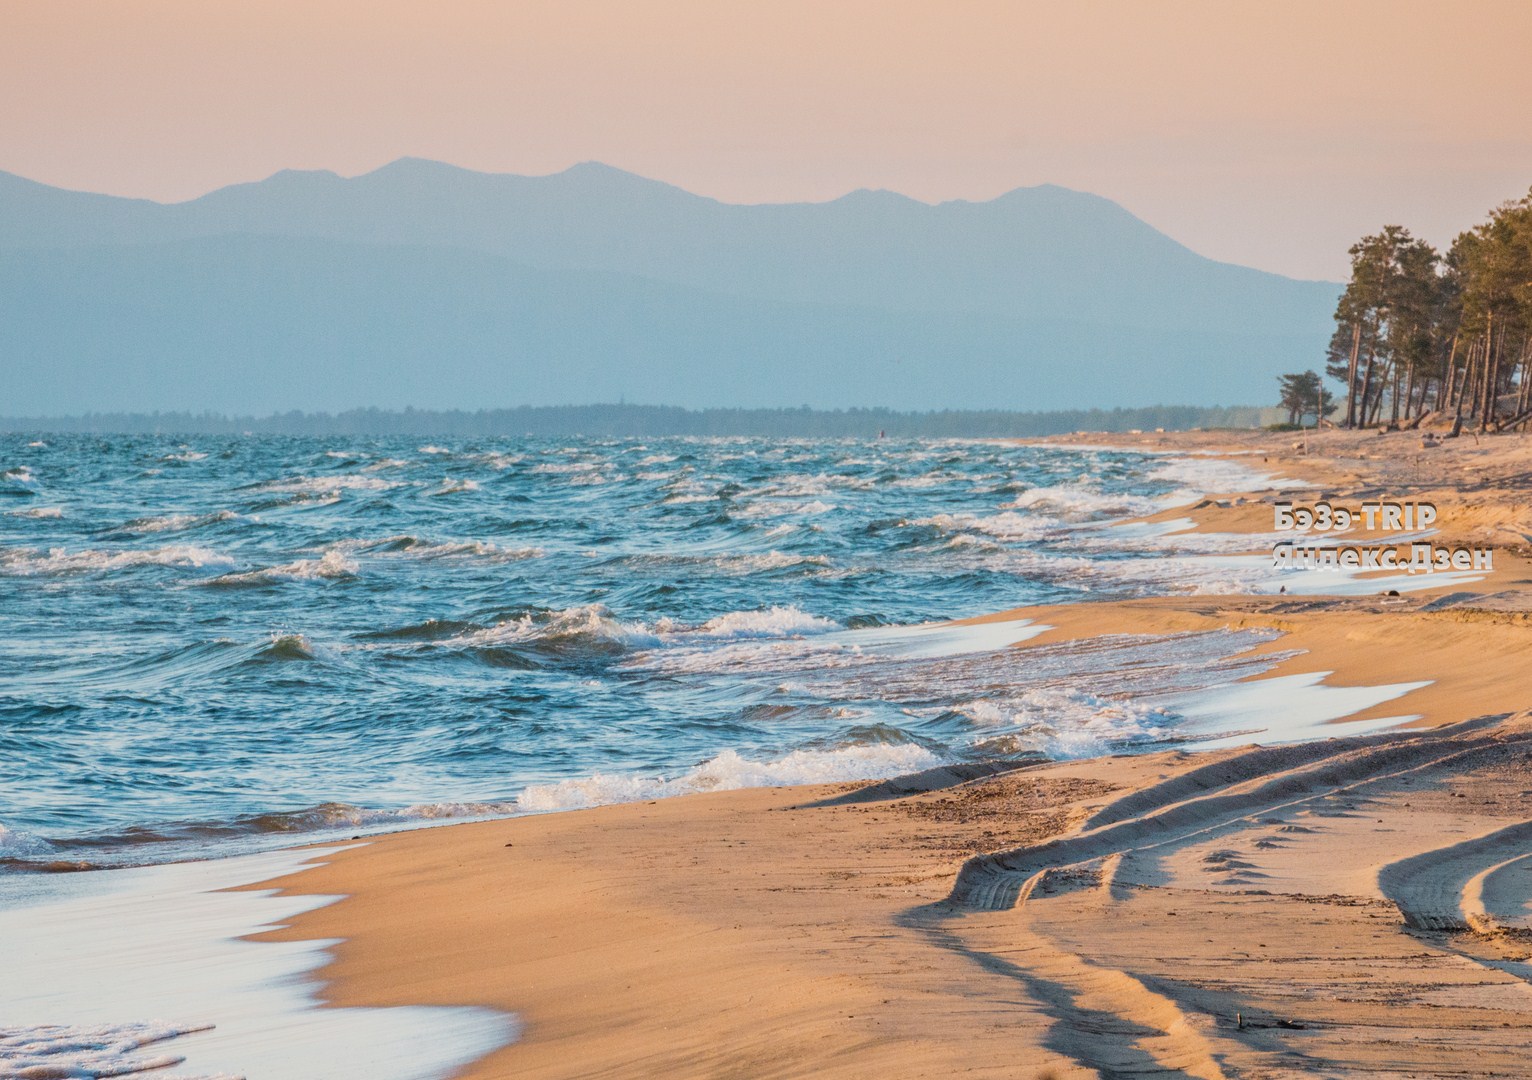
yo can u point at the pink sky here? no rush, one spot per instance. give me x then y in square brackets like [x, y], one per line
[1262, 133]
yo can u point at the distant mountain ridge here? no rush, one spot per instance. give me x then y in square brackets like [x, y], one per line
[429, 285]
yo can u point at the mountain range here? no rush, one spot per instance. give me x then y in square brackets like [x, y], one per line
[422, 284]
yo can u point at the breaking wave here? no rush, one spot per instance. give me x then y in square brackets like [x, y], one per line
[728, 771]
[331, 566]
[27, 562]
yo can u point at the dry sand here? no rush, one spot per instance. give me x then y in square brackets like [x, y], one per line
[1344, 907]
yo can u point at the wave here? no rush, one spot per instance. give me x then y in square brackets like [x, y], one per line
[1061, 723]
[15, 844]
[586, 630]
[207, 659]
[786, 509]
[592, 631]
[1005, 526]
[135, 845]
[98, 1050]
[416, 547]
[780, 621]
[334, 815]
[328, 486]
[27, 562]
[1200, 475]
[729, 771]
[332, 565]
[496, 460]
[41, 512]
[454, 487]
[287, 647]
[1075, 503]
[430, 630]
[18, 481]
[178, 522]
[733, 564]
[559, 468]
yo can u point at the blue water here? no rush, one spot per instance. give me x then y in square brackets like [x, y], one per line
[213, 641]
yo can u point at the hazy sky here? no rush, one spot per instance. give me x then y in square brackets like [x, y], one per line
[1270, 134]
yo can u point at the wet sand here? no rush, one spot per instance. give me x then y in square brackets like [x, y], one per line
[1339, 907]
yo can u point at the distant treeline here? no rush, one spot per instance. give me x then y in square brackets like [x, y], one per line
[646, 421]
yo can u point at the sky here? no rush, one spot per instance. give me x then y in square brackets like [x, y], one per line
[1268, 134]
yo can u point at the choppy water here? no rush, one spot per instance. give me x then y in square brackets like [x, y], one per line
[214, 643]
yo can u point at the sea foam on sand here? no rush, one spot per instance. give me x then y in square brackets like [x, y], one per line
[120, 969]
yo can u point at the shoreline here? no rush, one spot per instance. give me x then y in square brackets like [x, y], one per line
[816, 931]
[838, 929]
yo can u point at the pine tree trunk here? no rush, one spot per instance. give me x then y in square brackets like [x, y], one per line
[1449, 378]
[1468, 395]
[1487, 393]
[1524, 393]
[1366, 387]
[1356, 345]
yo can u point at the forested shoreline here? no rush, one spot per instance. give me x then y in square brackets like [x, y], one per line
[1424, 337]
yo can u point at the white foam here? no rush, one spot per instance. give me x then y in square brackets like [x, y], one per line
[338, 815]
[596, 622]
[177, 522]
[1205, 475]
[729, 771]
[738, 563]
[1074, 502]
[330, 486]
[1062, 722]
[332, 565]
[97, 1050]
[769, 508]
[454, 487]
[476, 549]
[111, 950]
[27, 562]
[404, 545]
[1005, 526]
[823, 649]
[1256, 574]
[565, 467]
[772, 622]
[592, 621]
[1286, 708]
[15, 844]
[38, 512]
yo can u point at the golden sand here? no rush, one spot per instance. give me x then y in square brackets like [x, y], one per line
[1348, 906]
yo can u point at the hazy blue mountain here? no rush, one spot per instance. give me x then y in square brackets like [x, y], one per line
[424, 284]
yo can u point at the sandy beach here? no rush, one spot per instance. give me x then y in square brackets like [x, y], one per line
[1346, 906]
